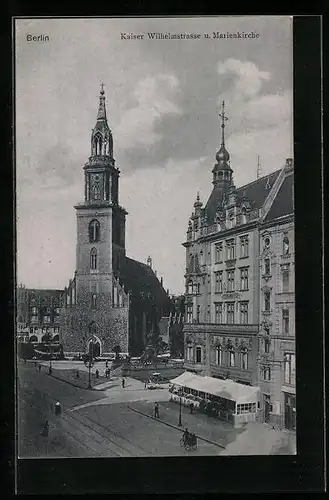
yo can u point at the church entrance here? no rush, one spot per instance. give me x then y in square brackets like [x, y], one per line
[94, 349]
[94, 344]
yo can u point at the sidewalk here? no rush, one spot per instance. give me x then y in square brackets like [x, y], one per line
[70, 376]
[211, 429]
[261, 439]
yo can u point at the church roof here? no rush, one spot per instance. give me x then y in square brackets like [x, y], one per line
[139, 278]
[283, 202]
[255, 192]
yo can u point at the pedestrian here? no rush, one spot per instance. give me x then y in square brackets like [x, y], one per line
[58, 408]
[35, 364]
[156, 410]
[106, 364]
[50, 371]
[24, 361]
[191, 407]
[78, 374]
[97, 373]
[45, 429]
[123, 382]
[39, 367]
[145, 385]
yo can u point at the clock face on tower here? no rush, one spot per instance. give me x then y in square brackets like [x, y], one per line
[95, 186]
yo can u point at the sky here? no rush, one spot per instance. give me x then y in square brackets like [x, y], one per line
[162, 98]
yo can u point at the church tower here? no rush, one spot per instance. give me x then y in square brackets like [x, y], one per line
[100, 218]
[96, 303]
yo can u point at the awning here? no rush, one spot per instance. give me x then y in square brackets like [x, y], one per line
[226, 389]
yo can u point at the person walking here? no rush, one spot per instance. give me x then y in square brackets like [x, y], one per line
[145, 385]
[97, 373]
[123, 383]
[156, 410]
[45, 429]
[77, 374]
[39, 367]
[191, 407]
[106, 364]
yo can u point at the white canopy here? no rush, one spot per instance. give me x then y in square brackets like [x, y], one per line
[226, 389]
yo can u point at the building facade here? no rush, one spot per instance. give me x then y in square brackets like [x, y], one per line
[276, 357]
[37, 315]
[226, 298]
[112, 300]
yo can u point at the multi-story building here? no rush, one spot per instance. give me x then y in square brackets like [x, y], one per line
[112, 300]
[37, 314]
[276, 359]
[224, 304]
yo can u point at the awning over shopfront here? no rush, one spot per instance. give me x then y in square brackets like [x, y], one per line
[226, 389]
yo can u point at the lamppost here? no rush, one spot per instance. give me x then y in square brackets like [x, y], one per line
[91, 349]
[180, 409]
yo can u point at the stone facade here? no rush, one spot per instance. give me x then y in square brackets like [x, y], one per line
[235, 309]
[37, 315]
[112, 300]
[276, 361]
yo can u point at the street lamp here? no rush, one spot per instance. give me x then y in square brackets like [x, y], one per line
[90, 361]
[180, 410]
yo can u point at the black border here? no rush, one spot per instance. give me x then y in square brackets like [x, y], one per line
[303, 472]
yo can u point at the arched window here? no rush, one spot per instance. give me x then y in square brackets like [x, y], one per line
[286, 245]
[56, 338]
[93, 259]
[94, 231]
[93, 300]
[190, 287]
[34, 338]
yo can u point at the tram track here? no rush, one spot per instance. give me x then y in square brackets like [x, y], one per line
[102, 434]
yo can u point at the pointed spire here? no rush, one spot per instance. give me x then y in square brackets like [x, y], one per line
[224, 118]
[101, 115]
[198, 203]
[222, 155]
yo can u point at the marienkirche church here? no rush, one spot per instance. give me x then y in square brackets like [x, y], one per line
[112, 300]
